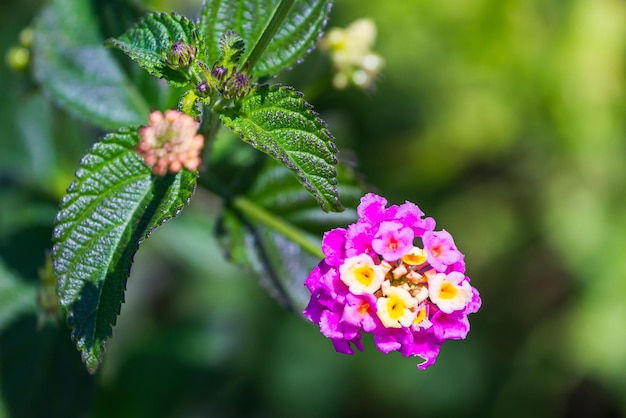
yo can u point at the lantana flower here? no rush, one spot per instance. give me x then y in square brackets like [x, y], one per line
[392, 275]
[170, 142]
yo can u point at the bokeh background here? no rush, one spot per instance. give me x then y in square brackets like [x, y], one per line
[503, 119]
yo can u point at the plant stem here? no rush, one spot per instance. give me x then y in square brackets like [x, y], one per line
[268, 33]
[259, 214]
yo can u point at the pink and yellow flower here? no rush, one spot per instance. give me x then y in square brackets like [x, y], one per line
[391, 274]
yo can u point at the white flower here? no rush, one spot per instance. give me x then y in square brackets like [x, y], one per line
[450, 292]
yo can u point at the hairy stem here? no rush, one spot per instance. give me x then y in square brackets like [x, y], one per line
[268, 33]
[294, 234]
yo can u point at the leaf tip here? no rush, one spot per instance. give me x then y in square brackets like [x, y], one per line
[91, 362]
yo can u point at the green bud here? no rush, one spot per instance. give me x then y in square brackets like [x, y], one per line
[26, 37]
[181, 55]
[203, 88]
[18, 58]
[239, 85]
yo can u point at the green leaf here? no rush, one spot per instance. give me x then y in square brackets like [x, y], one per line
[113, 204]
[116, 16]
[295, 37]
[232, 47]
[281, 263]
[150, 42]
[74, 68]
[16, 297]
[279, 122]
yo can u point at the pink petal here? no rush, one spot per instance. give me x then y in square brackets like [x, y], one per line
[333, 246]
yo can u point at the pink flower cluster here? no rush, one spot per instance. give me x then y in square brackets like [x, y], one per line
[391, 274]
[170, 142]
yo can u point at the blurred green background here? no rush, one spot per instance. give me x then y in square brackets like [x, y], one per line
[503, 119]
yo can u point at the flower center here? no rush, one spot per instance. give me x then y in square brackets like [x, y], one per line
[364, 274]
[395, 307]
[364, 308]
[416, 257]
[447, 291]
[421, 315]
[436, 250]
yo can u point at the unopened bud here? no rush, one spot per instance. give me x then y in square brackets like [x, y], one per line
[219, 73]
[18, 58]
[239, 85]
[181, 55]
[203, 88]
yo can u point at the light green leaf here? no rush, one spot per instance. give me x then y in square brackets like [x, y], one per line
[279, 122]
[113, 204]
[294, 38]
[79, 73]
[150, 42]
[232, 46]
[282, 263]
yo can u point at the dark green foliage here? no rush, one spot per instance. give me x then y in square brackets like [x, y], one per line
[114, 203]
[291, 42]
[280, 263]
[78, 72]
[278, 121]
[151, 41]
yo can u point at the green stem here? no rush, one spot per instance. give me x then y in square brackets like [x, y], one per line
[259, 214]
[209, 125]
[193, 73]
[268, 33]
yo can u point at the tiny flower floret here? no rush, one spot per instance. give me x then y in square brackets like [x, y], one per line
[392, 240]
[170, 142]
[361, 274]
[415, 257]
[440, 249]
[421, 318]
[396, 309]
[450, 292]
[391, 274]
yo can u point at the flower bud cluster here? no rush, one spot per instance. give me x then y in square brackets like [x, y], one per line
[18, 57]
[170, 142]
[230, 83]
[223, 77]
[391, 274]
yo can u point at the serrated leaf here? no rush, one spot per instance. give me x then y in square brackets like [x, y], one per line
[281, 264]
[232, 46]
[74, 68]
[113, 204]
[279, 122]
[116, 16]
[150, 41]
[294, 39]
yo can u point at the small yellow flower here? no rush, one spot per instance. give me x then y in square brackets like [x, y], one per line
[361, 274]
[415, 257]
[449, 291]
[397, 308]
[351, 52]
